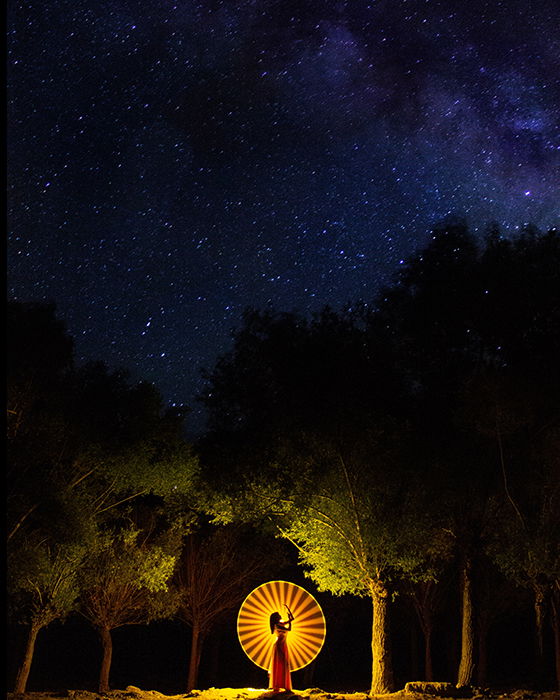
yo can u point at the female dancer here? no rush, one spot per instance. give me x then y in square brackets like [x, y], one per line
[280, 665]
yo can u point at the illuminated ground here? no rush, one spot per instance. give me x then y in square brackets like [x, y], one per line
[133, 693]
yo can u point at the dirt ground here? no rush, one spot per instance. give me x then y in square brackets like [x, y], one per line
[410, 692]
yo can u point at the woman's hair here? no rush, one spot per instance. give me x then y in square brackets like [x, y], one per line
[274, 619]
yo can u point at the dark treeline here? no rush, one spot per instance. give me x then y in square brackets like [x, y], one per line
[403, 454]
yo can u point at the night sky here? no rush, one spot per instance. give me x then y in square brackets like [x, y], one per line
[171, 163]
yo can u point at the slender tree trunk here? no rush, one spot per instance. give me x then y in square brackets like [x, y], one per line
[539, 607]
[428, 664]
[194, 661]
[424, 597]
[382, 667]
[482, 666]
[414, 651]
[466, 665]
[23, 672]
[555, 599]
[308, 675]
[106, 659]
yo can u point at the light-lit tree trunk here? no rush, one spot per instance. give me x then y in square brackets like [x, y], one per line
[106, 658]
[23, 672]
[466, 666]
[194, 662]
[382, 666]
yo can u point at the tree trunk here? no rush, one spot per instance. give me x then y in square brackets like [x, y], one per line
[482, 632]
[539, 607]
[194, 661]
[414, 644]
[106, 659]
[428, 664]
[308, 675]
[482, 667]
[25, 668]
[424, 597]
[466, 666]
[555, 599]
[382, 668]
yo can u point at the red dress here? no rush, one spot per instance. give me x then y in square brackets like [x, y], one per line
[280, 664]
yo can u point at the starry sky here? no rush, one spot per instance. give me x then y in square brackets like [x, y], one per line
[172, 162]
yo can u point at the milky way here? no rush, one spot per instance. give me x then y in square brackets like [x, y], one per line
[171, 163]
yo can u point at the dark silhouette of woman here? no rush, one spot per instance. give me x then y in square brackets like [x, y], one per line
[279, 675]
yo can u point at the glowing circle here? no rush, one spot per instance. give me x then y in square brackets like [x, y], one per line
[306, 637]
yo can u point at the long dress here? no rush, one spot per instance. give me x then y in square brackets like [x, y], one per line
[280, 664]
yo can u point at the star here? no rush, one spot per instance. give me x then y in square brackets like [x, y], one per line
[172, 164]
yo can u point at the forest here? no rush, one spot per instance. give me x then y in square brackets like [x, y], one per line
[398, 457]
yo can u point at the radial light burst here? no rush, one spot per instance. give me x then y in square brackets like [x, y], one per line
[308, 628]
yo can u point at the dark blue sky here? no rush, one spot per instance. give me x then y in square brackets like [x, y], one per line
[171, 163]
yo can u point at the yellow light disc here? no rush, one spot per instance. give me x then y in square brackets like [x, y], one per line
[308, 627]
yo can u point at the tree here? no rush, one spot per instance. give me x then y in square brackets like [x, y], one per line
[427, 597]
[39, 362]
[527, 544]
[287, 373]
[355, 513]
[43, 586]
[302, 406]
[124, 582]
[34, 368]
[216, 571]
[497, 598]
[361, 531]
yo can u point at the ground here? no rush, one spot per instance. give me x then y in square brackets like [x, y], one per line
[411, 692]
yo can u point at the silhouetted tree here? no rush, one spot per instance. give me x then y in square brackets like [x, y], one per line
[216, 572]
[527, 542]
[427, 596]
[39, 354]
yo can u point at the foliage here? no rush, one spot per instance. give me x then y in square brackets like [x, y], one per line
[287, 376]
[85, 439]
[216, 570]
[124, 579]
[526, 545]
[43, 581]
[364, 521]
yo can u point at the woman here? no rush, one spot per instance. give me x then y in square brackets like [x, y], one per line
[280, 665]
